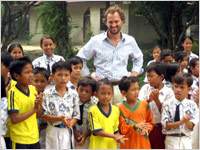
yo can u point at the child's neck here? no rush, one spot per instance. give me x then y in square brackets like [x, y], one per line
[61, 90]
[74, 81]
[159, 86]
[105, 108]
[131, 103]
[6, 79]
[23, 87]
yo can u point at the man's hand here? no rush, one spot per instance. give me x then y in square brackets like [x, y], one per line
[135, 74]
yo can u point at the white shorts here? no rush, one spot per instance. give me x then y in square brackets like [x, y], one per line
[182, 142]
[59, 138]
[118, 98]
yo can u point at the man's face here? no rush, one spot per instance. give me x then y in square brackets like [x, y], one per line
[114, 23]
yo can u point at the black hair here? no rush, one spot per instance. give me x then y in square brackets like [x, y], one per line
[179, 56]
[171, 70]
[88, 81]
[102, 82]
[3, 88]
[12, 46]
[6, 59]
[61, 65]
[44, 38]
[125, 82]
[42, 71]
[192, 63]
[183, 77]
[186, 37]
[75, 60]
[157, 46]
[158, 67]
[164, 53]
[17, 66]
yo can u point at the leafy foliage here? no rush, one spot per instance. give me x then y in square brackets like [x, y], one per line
[55, 22]
[170, 19]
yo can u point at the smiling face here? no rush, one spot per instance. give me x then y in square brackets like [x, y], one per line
[104, 94]
[156, 54]
[16, 53]
[114, 23]
[47, 46]
[187, 45]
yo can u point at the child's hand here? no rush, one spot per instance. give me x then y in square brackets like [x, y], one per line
[38, 101]
[77, 134]
[150, 98]
[67, 122]
[196, 97]
[185, 118]
[120, 138]
[155, 94]
[82, 139]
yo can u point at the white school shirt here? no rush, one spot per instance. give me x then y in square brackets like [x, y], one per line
[192, 55]
[195, 87]
[44, 60]
[164, 94]
[168, 115]
[111, 61]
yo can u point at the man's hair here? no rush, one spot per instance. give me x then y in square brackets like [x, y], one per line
[17, 66]
[164, 53]
[88, 81]
[42, 71]
[158, 67]
[183, 77]
[75, 60]
[179, 56]
[6, 59]
[125, 82]
[12, 46]
[103, 82]
[171, 70]
[61, 65]
[112, 10]
[44, 38]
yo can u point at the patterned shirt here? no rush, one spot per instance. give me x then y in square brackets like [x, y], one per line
[4, 115]
[44, 60]
[56, 105]
[111, 61]
[168, 115]
[85, 127]
[195, 87]
[164, 94]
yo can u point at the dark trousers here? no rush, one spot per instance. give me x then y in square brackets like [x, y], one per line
[157, 138]
[8, 142]
[27, 146]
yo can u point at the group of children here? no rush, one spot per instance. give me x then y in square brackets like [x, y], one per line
[49, 106]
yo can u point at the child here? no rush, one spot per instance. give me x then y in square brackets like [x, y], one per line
[23, 104]
[86, 88]
[187, 43]
[155, 93]
[48, 59]
[171, 70]
[179, 115]
[40, 81]
[182, 59]
[135, 119]
[4, 113]
[193, 95]
[6, 59]
[156, 55]
[166, 56]
[104, 119]
[61, 109]
[16, 51]
[77, 65]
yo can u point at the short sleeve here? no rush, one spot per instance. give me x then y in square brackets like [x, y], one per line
[13, 101]
[95, 125]
[116, 126]
[44, 104]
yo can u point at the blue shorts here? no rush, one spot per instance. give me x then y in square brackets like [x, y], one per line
[26, 146]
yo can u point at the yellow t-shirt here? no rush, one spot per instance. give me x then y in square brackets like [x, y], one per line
[99, 121]
[24, 132]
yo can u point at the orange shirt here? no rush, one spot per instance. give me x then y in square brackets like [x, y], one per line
[129, 117]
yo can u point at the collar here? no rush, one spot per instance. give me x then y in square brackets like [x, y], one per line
[105, 36]
[48, 58]
[101, 110]
[55, 92]
[177, 102]
[27, 94]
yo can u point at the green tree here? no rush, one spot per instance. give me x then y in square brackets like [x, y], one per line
[55, 21]
[10, 11]
[170, 19]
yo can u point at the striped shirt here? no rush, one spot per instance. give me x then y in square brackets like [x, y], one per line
[111, 61]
